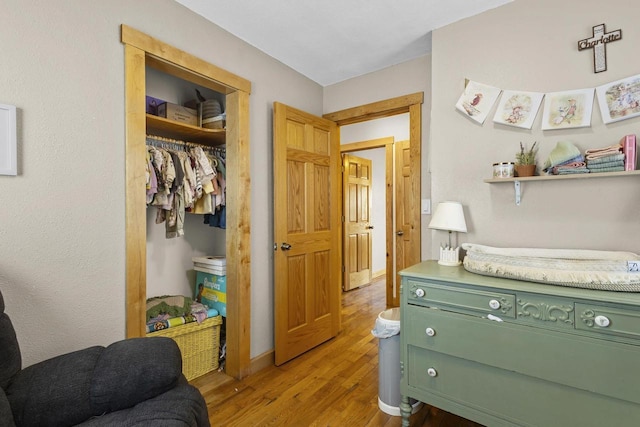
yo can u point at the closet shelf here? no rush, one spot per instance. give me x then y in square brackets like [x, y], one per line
[170, 129]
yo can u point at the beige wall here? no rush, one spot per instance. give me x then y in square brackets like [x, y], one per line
[62, 218]
[532, 46]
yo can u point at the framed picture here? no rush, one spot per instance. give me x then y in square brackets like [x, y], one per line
[477, 100]
[517, 108]
[570, 109]
[8, 143]
[619, 100]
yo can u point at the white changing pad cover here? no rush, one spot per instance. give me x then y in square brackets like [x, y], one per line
[579, 268]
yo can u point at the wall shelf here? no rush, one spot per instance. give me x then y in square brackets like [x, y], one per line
[517, 181]
[184, 132]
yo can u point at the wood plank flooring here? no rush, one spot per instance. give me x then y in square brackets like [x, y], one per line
[335, 384]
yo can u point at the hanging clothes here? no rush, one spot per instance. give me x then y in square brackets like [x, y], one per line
[183, 178]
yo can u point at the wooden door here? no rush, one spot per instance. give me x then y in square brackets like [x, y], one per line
[405, 207]
[356, 178]
[307, 210]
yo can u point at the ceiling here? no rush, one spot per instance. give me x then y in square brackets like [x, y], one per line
[334, 40]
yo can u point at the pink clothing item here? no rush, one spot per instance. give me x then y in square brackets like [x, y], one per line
[596, 153]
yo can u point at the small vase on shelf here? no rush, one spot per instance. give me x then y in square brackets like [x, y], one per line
[526, 160]
[525, 170]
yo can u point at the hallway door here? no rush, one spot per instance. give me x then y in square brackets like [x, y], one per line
[356, 189]
[406, 233]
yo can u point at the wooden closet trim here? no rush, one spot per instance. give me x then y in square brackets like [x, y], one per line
[183, 64]
[142, 50]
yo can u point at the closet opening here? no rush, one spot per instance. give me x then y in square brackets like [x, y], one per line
[146, 60]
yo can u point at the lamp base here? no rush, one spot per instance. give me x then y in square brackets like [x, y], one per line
[449, 257]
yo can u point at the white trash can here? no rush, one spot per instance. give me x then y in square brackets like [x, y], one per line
[387, 329]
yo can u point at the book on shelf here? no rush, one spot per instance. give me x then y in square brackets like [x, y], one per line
[628, 143]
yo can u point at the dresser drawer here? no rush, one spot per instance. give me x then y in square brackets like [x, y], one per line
[461, 299]
[499, 397]
[605, 320]
[582, 362]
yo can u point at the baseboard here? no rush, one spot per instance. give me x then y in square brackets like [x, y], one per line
[262, 361]
[377, 274]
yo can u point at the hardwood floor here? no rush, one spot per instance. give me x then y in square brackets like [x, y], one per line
[335, 384]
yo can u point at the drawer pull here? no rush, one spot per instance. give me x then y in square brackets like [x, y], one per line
[432, 372]
[494, 304]
[419, 292]
[430, 332]
[602, 321]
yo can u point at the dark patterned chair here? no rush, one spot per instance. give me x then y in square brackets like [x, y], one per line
[134, 382]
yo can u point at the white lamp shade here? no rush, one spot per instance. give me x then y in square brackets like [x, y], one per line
[449, 216]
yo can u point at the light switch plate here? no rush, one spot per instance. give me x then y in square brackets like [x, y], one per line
[426, 207]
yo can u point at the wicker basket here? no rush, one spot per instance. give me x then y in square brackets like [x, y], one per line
[199, 345]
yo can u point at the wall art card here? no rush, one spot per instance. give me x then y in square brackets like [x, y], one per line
[570, 109]
[619, 100]
[477, 100]
[517, 108]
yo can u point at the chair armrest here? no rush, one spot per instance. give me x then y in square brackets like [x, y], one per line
[134, 370]
[54, 391]
[71, 388]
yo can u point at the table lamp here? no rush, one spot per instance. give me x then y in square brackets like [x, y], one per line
[449, 217]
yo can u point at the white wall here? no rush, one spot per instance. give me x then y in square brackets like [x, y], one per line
[532, 46]
[62, 250]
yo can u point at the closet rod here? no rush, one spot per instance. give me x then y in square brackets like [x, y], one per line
[162, 142]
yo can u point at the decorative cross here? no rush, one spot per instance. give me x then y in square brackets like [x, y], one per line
[597, 43]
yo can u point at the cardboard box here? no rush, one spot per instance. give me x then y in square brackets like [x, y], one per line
[178, 113]
[211, 290]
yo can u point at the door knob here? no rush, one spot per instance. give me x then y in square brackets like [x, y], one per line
[400, 233]
[285, 246]
[370, 227]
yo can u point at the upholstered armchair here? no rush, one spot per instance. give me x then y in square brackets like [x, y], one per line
[134, 382]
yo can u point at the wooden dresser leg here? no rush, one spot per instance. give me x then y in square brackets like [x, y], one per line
[405, 411]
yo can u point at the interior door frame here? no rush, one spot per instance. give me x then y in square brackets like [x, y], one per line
[411, 104]
[387, 144]
[142, 50]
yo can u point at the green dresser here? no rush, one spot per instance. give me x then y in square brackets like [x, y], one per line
[511, 353]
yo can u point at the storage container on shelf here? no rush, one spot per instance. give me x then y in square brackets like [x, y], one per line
[211, 282]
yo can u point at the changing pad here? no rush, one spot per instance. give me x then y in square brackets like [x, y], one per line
[579, 268]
